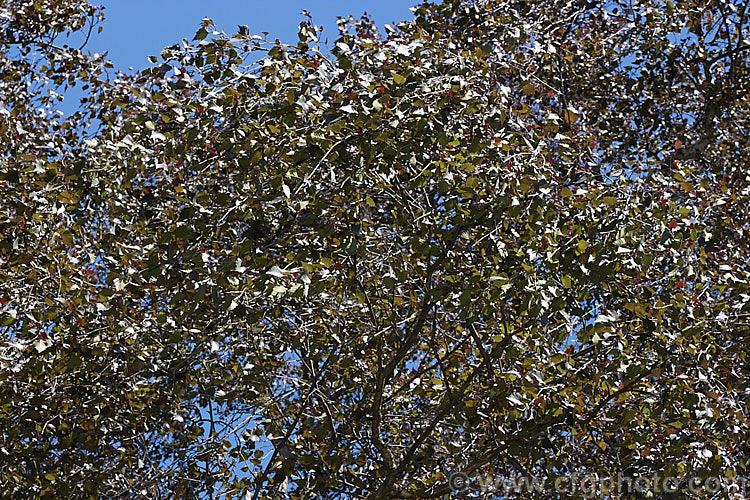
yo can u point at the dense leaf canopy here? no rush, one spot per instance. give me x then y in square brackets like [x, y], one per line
[503, 239]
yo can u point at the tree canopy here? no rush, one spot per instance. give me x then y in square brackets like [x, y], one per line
[502, 239]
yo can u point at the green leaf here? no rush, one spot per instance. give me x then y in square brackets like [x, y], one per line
[200, 34]
[566, 281]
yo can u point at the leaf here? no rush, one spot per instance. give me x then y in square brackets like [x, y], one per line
[41, 345]
[515, 399]
[570, 116]
[74, 362]
[389, 282]
[638, 309]
[276, 272]
[566, 281]
[200, 34]
[67, 238]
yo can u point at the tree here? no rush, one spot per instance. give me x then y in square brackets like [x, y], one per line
[501, 240]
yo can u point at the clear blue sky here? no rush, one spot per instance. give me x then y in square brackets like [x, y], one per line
[135, 29]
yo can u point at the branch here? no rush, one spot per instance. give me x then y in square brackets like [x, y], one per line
[445, 406]
[442, 411]
[625, 388]
[281, 444]
[88, 35]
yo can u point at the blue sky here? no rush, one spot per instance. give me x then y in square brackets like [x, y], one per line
[135, 29]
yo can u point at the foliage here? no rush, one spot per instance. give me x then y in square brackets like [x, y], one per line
[501, 239]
